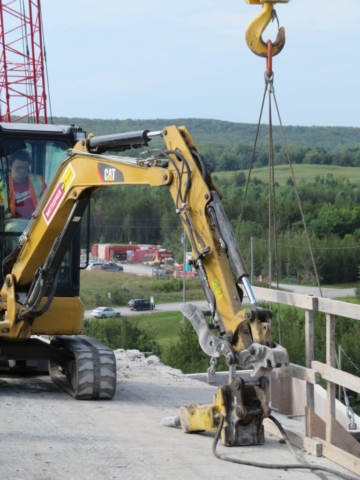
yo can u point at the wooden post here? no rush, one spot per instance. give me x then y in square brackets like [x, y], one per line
[309, 350]
[330, 360]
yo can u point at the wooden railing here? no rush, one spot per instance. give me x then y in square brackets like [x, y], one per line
[311, 373]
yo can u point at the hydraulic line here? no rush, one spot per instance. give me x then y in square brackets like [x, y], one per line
[270, 466]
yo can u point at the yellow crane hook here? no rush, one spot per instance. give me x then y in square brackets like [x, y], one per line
[258, 25]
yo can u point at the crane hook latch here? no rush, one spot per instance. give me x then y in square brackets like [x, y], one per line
[258, 25]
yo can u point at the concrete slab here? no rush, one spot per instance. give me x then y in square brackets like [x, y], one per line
[47, 435]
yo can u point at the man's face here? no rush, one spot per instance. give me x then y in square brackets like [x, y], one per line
[19, 170]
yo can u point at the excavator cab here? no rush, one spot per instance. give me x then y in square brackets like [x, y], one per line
[45, 146]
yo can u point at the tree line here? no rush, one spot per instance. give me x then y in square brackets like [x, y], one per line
[146, 215]
[209, 131]
[228, 146]
[225, 157]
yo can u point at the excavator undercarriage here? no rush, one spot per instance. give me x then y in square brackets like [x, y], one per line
[83, 367]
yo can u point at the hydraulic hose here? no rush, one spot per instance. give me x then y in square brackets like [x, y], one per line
[274, 466]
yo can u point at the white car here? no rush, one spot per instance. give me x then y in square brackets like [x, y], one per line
[96, 266]
[104, 312]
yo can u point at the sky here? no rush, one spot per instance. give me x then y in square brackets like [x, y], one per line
[116, 59]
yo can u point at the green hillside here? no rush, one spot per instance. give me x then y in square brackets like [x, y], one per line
[230, 133]
[306, 173]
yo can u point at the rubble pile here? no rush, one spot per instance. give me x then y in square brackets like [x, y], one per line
[129, 360]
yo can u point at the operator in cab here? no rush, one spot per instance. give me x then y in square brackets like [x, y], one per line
[24, 192]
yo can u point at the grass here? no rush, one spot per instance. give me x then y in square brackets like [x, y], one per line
[95, 285]
[342, 285]
[304, 172]
[348, 300]
[164, 326]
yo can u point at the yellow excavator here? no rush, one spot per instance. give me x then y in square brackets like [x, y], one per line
[40, 267]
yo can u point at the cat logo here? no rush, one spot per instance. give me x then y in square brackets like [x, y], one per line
[109, 174]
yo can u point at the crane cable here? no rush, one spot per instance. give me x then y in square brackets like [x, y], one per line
[298, 198]
[269, 87]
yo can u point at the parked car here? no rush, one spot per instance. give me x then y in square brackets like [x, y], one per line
[112, 267]
[140, 304]
[96, 266]
[104, 312]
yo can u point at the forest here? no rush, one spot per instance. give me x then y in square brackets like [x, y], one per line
[331, 205]
[228, 146]
[331, 209]
[228, 134]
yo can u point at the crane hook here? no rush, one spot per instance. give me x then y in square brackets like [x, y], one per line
[257, 26]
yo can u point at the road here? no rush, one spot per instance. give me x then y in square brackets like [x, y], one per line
[171, 307]
[165, 307]
[139, 269]
[326, 292]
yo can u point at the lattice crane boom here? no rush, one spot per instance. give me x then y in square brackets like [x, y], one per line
[22, 62]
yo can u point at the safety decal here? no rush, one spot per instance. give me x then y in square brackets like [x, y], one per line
[108, 173]
[58, 194]
[217, 288]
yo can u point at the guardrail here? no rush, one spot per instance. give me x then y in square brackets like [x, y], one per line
[336, 445]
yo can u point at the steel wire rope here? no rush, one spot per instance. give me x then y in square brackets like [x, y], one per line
[250, 167]
[343, 351]
[272, 199]
[298, 197]
[272, 209]
[271, 191]
[270, 466]
[349, 409]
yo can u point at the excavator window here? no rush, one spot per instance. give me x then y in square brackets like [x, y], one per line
[35, 160]
[27, 166]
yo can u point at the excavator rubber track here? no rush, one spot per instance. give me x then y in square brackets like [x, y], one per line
[92, 373]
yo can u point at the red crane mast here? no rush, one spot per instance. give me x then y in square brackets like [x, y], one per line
[22, 66]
